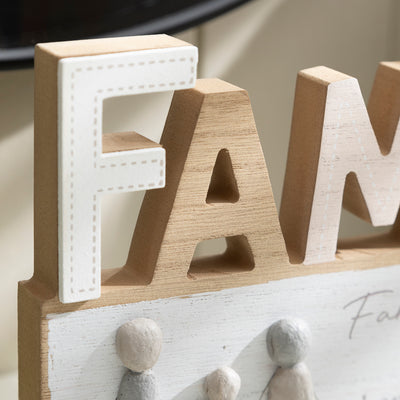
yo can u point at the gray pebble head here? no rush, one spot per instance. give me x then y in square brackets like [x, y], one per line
[288, 341]
[139, 344]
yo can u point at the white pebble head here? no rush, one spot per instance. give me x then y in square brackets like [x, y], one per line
[288, 341]
[139, 344]
[222, 384]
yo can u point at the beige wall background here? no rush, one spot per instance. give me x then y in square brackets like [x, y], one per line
[260, 47]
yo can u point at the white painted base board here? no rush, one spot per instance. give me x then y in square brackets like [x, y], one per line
[205, 331]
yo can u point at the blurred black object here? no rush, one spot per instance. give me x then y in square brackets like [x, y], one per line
[23, 23]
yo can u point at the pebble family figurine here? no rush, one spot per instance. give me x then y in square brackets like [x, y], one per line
[222, 384]
[139, 345]
[288, 341]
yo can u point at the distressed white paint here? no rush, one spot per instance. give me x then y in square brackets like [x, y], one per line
[84, 172]
[205, 331]
[349, 145]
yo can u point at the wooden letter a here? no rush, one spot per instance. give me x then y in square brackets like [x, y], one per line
[213, 117]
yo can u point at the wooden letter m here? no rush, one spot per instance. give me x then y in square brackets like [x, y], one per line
[340, 152]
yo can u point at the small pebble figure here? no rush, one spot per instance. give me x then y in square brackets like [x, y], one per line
[139, 345]
[288, 341]
[222, 384]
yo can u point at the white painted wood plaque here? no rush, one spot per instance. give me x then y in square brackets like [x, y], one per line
[354, 318]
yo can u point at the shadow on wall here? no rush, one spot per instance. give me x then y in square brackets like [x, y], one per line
[106, 349]
[254, 354]
[16, 101]
[16, 197]
[16, 141]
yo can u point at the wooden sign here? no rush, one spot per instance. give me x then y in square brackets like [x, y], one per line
[202, 323]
